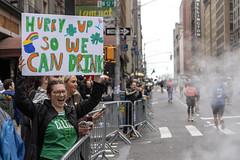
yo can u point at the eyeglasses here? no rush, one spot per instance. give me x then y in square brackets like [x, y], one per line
[58, 93]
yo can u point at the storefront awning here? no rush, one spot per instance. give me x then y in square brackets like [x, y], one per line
[10, 47]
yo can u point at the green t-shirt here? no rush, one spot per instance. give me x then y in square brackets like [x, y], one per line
[59, 137]
[181, 83]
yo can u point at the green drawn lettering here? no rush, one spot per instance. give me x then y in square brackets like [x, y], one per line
[61, 23]
[86, 69]
[29, 24]
[43, 63]
[99, 61]
[89, 24]
[54, 44]
[47, 21]
[84, 45]
[72, 62]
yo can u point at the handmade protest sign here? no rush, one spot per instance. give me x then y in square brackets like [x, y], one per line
[62, 45]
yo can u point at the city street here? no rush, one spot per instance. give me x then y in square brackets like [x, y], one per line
[178, 139]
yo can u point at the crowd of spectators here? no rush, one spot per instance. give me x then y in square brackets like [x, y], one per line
[78, 89]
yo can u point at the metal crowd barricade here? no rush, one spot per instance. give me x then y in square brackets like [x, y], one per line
[112, 123]
[117, 115]
[106, 127]
[126, 117]
[98, 137]
[82, 147]
[141, 113]
[149, 114]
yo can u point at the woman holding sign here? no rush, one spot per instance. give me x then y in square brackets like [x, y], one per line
[73, 96]
[54, 124]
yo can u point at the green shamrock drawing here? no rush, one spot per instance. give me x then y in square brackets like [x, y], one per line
[95, 38]
[71, 30]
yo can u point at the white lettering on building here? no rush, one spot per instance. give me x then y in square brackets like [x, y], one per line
[198, 18]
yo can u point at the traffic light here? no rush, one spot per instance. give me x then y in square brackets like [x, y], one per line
[110, 53]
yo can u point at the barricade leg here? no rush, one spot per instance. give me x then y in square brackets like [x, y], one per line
[121, 135]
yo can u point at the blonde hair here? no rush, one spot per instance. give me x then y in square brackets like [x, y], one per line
[66, 78]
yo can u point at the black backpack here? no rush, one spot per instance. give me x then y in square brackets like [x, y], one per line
[6, 104]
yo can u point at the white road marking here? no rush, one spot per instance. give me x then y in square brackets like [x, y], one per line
[208, 125]
[193, 130]
[227, 117]
[108, 151]
[115, 143]
[108, 155]
[165, 133]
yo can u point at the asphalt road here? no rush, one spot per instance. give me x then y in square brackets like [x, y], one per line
[178, 139]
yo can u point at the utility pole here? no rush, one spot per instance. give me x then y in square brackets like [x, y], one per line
[117, 65]
[134, 36]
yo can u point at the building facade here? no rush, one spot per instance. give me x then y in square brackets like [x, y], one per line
[178, 50]
[187, 35]
[210, 32]
[10, 28]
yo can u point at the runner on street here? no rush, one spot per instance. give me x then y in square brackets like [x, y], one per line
[190, 92]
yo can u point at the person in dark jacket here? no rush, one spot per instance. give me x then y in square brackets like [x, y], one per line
[9, 87]
[54, 124]
[132, 94]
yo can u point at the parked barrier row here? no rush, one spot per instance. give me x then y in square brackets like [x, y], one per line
[119, 117]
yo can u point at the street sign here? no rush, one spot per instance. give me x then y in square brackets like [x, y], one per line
[123, 31]
[110, 3]
[125, 47]
[134, 43]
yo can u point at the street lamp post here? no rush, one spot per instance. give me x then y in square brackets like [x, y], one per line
[144, 56]
[117, 65]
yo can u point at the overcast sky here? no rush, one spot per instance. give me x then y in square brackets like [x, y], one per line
[158, 21]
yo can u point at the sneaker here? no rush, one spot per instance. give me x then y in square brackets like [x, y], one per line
[132, 135]
[188, 118]
[192, 119]
[222, 124]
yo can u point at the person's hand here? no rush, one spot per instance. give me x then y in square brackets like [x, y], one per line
[139, 89]
[97, 115]
[83, 131]
[91, 125]
[98, 78]
[20, 63]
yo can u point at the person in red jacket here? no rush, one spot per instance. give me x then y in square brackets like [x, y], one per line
[190, 92]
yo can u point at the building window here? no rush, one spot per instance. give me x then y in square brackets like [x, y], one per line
[45, 7]
[231, 37]
[230, 6]
[231, 26]
[231, 16]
